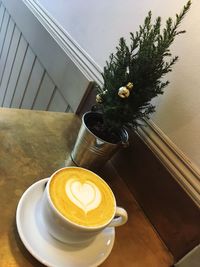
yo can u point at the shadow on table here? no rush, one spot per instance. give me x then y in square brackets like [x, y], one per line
[20, 253]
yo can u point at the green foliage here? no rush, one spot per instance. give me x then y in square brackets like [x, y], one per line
[144, 63]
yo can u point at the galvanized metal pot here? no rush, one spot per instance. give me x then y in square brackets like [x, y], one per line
[92, 152]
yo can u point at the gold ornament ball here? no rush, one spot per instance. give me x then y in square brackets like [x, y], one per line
[123, 92]
[105, 92]
[99, 98]
[129, 86]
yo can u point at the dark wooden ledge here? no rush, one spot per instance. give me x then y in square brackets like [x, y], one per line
[170, 210]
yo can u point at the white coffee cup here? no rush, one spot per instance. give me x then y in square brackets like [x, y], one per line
[66, 230]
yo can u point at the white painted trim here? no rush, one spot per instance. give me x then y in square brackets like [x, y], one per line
[182, 169]
[80, 57]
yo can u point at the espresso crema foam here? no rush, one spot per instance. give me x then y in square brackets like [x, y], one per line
[82, 197]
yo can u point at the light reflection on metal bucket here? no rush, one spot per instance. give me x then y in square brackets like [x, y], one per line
[92, 152]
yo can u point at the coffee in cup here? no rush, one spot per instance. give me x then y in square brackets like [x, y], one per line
[78, 204]
[81, 197]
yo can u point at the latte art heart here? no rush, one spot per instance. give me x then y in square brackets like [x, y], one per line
[84, 195]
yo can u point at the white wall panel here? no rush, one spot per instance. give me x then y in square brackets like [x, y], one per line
[63, 63]
[24, 82]
[11, 57]
[6, 45]
[8, 69]
[58, 102]
[2, 10]
[3, 31]
[23, 78]
[33, 85]
[15, 92]
[10, 79]
[44, 93]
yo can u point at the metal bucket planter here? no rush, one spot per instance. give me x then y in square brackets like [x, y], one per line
[92, 152]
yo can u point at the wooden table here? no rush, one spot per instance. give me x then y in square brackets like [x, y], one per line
[33, 144]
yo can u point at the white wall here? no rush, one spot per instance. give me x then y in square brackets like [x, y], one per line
[97, 27]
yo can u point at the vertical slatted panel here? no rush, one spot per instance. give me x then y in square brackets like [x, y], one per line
[4, 28]
[69, 109]
[24, 97]
[9, 63]
[6, 46]
[2, 11]
[10, 81]
[58, 103]
[44, 93]
[15, 93]
[24, 83]
[33, 85]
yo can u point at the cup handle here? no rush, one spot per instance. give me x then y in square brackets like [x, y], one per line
[121, 219]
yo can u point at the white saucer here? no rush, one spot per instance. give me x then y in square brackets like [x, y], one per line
[48, 250]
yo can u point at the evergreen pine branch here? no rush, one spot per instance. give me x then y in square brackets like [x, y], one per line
[144, 64]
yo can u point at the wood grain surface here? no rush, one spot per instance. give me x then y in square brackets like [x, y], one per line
[170, 210]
